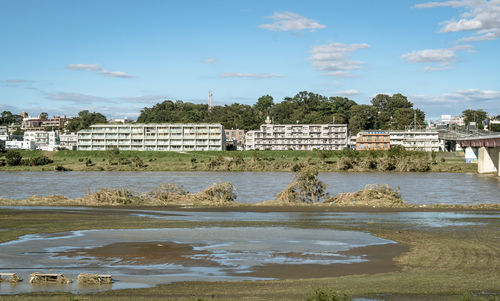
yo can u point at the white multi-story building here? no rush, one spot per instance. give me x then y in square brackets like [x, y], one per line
[416, 140]
[47, 140]
[297, 137]
[16, 144]
[68, 141]
[4, 133]
[157, 137]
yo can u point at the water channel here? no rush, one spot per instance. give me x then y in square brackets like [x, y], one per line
[252, 187]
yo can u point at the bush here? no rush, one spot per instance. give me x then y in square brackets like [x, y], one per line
[62, 168]
[13, 158]
[38, 161]
[328, 295]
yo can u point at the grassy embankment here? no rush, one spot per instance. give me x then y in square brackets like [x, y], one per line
[323, 161]
[442, 263]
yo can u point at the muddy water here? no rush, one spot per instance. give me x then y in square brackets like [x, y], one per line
[252, 187]
[146, 257]
[205, 253]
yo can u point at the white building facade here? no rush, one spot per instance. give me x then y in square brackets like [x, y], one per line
[47, 140]
[297, 137]
[68, 141]
[155, 137]
[419, 140]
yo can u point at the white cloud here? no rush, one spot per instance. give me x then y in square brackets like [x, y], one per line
[350, 92]
[114, 74]
[250, 75]
[208, 61]
[480, 16]
[456, 102]
[286, 21]
[86, 67]
[461, 97]
[441, 58]
[145, 98]
[98, 69]
[334, 58]
[77, 98]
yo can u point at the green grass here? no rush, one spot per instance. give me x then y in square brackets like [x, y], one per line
[324, 161]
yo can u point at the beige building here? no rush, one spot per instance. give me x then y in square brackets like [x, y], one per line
[157, 137]
[235, 138]
[38, 124]
[373, 140]
[297, 137]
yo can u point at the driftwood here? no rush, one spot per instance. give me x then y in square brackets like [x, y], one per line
[85, 278]
[41, 278]
[10, 277]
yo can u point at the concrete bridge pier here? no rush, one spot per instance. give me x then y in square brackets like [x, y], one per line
[489, 160]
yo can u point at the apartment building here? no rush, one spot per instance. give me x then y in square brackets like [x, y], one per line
[68, 141]
[235, 138]
[297, 137]
[47, 140]
[416, 140]
[157, 137]
[4, 133]
[39, 124]
[373, 140]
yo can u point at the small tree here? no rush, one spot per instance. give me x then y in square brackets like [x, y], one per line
[14, 158]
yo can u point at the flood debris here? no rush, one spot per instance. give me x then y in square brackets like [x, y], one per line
[10, 277]
[306, 188]
[47, 278]
[85, 278]
[372, 195]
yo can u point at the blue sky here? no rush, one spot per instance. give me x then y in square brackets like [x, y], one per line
[117, 57]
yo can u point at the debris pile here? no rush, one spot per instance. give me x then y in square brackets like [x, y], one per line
[372, 195]
[306, 188]
[85, 278]
[216, 194]
[10, 277]
[43, 278]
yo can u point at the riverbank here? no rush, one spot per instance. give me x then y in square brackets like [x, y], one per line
[441, 263]
[323, 161]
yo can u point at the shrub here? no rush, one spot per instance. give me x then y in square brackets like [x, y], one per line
[62, 168]
[13, 158]
[38, 161]
[328, 295]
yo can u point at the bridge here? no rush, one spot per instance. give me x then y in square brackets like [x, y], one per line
[488, 148]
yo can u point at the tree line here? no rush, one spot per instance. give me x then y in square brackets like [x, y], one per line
[385, 112]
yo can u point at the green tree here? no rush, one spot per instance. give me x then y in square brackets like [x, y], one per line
[363, 117]
[341, 108]
[7, 118]
[405, 117]
[477, 116]
[13, 158]
[44, 115]
[264, 105]
[84, 120]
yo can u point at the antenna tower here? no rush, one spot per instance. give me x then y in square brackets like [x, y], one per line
[210, 100]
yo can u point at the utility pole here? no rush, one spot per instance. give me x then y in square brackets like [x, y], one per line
[415, 120]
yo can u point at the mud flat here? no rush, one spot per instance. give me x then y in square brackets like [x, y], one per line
[436, 255]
